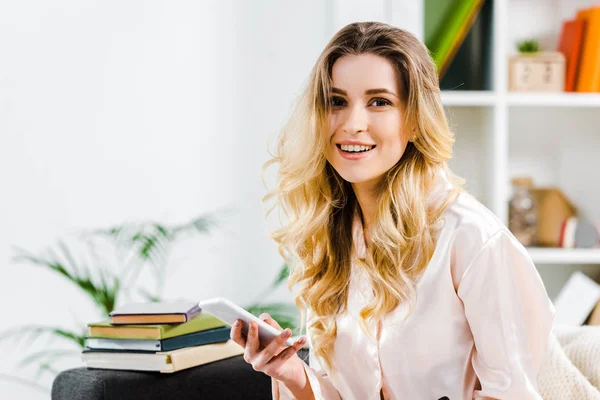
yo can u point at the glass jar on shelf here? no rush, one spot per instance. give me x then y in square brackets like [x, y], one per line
[522, 215]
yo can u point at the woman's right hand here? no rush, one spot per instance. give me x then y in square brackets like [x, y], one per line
[276, 360]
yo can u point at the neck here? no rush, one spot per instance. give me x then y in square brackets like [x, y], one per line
[367, 201]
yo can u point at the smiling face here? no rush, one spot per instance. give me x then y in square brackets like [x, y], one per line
[366, 108]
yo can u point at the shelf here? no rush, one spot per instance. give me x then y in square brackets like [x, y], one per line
[538, 99]
[554, 99]
[466, 98]
[564, 256]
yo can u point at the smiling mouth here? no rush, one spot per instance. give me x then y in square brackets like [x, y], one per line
[339, 146]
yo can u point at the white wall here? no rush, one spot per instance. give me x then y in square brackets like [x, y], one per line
[142, 110]
[109, 113]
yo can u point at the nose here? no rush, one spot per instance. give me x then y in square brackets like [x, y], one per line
[356, 120]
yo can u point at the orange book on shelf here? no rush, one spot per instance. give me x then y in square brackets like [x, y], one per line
[589, 70]
[570, 45]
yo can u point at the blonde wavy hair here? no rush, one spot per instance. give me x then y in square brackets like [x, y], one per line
[320, 205]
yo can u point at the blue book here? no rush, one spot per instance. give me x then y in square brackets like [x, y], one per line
[215, 335]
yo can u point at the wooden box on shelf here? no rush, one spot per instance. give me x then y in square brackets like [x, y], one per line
[537, 72]
[553, 208]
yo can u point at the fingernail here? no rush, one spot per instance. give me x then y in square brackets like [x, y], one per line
[236, 323]
[287, 332]
[302, 340]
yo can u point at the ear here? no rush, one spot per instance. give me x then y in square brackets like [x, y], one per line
[413, 135]
[410, 129]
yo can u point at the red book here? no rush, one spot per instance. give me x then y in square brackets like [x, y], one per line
[570, 45]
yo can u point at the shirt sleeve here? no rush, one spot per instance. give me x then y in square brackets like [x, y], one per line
[320, 383]
[510, 317]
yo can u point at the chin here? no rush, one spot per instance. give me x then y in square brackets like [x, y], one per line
[352, 178]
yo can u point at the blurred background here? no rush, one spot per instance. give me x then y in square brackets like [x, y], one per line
[132, 136]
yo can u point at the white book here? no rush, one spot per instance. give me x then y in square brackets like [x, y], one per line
[576, 300]
[123, 344]
[165, 362]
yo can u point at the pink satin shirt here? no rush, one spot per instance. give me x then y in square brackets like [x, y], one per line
[478, 330]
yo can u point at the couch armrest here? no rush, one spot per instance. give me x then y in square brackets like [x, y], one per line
[231, 378]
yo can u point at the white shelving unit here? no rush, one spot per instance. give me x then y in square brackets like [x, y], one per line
[486, 98]
[554, 99]
[552, 137]
[564, 256]
[468, 98]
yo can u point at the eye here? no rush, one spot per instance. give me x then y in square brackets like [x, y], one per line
[337, 101]
[383, 101]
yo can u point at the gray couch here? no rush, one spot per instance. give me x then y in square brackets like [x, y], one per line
[232, 378]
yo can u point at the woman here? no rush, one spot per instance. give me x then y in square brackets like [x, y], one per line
[411, 289]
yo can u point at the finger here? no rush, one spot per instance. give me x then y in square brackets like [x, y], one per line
[267, 318]
[236, 333]
[289, 352]
[264, 316]
[275, 347]
[252, 344]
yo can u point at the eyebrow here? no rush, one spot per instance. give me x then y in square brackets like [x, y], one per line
[370, 91]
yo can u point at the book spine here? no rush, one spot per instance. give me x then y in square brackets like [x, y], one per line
[196, 324]
[589, 72]
[123, 344]
[126, 332]
[195, 310]
[217, 335]
[201, 355]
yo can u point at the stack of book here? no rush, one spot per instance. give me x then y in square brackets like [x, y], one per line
[164, 337]
[580, 43]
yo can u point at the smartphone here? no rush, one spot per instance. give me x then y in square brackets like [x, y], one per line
[229, 312]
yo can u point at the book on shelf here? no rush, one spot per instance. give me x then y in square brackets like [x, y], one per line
[199, 322]
[470, 68]
[164, 362]
[154, 313]
[216, 335]
[589, 70]
[569, 44]
[447, 25]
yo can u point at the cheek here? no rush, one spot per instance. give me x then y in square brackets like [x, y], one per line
[332, 124]
[393, 140]
[392, 151]
[390, 130]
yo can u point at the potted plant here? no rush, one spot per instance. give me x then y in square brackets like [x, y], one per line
[146, 246]
[532, 70]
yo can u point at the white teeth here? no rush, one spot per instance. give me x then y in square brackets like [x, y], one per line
[355, 148]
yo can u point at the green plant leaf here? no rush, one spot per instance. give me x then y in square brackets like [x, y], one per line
[50, 356]
[149, 296]
[47, 359]
[528, 46]
[103, 294]
[34, 332]
[284, 273]
[150, 243]
[45, 367]
[287, 315]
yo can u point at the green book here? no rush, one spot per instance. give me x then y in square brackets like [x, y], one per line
[200, 322]
[446, 26]
[471, 68]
